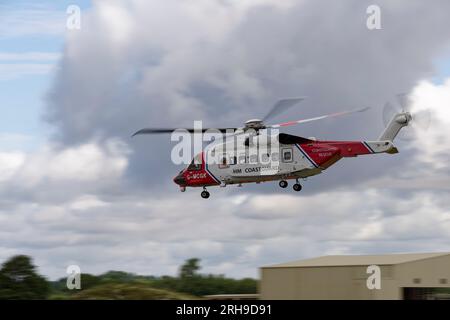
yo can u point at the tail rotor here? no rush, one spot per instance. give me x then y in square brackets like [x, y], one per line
[420, 116]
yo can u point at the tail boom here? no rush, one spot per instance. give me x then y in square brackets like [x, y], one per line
[323, 154]
[355, 148]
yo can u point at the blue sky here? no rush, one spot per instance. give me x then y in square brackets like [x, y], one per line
[442, 66]
[31, 42]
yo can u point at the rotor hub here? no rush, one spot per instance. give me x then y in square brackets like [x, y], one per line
[254, 124]
[404, 118]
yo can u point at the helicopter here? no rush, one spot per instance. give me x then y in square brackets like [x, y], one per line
[250, 154]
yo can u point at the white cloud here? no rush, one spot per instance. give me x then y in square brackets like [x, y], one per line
[9, 164]
[52, 166]
[87, 202]
[153, 235]
[114, 19]
[428, 167]
[433, 142]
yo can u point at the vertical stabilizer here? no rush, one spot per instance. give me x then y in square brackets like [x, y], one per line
[397, 122]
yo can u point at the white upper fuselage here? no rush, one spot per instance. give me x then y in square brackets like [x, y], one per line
[262, 158]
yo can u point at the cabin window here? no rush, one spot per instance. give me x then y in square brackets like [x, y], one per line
[196, 163]
[287, 155]
[253, 159]
[224, 163]
[242, 159]
[233, 160]
[275, 157]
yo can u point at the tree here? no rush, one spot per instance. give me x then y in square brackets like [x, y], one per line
[19, 280]
[189, 268]
[117, 276]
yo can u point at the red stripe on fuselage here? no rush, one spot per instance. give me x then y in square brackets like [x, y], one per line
[199, 178]
[325, 153]
[350, 148]
[321, 154]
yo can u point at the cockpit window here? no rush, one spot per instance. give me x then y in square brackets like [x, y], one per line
[196, 163]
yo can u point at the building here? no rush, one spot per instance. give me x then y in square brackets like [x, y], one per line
[402, 276]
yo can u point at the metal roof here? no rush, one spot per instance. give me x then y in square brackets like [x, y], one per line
[359, 260]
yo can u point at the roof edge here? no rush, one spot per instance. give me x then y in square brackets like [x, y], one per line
[286, 264]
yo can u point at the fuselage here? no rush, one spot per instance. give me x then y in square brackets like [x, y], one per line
[259, 158]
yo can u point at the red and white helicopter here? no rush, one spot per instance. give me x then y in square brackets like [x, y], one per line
[249, 154]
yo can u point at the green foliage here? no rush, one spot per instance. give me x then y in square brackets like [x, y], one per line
[127, 291]
[87, 281]
[200, 285]
[189, 281]
[117, 276]
[19, 280]
[189, 268]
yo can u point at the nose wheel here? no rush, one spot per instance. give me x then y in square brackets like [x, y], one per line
[205, 194]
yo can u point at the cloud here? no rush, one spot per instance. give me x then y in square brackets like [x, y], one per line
[153, 235]
[225, 62]
[427, 167]
[95, 197]
[51, 173]
[9, 163]
[434, 140]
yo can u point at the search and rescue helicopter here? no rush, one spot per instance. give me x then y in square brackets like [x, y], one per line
[249, 154]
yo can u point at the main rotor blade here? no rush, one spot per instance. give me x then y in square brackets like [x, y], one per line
[282, 106]
[332, 115]
[190, 130]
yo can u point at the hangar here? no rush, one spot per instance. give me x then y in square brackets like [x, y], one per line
[401, 276]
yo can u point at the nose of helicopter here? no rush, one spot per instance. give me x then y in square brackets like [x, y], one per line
[180, 180]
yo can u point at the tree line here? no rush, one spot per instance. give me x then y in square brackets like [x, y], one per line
[19, 279]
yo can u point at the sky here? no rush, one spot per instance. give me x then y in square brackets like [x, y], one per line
[76, 189]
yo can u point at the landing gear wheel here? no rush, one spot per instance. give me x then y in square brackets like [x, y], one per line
[297, 187]
[283, 184]
[205, 194]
